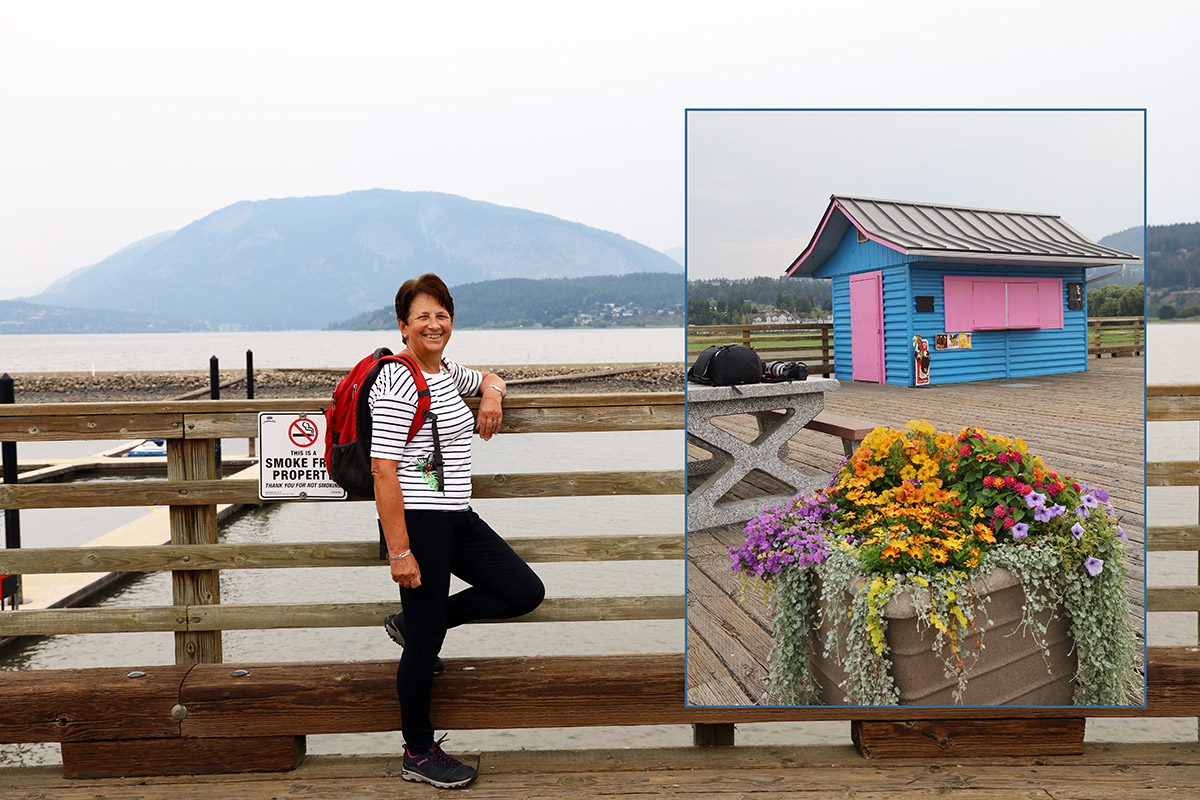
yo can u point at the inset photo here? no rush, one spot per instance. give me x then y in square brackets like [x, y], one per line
[915, 408]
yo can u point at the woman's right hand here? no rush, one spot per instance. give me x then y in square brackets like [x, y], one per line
[406, 572]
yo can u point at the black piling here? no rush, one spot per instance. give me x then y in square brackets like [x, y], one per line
[214, 391]
[10, 585]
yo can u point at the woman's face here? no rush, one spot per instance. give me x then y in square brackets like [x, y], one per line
[428, 327]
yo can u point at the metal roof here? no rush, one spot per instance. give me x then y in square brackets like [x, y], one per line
[942, 233]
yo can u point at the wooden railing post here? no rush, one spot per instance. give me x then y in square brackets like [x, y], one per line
[194, 460]
[826, 361]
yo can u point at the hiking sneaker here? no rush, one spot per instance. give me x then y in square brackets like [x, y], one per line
[435, 767]
[394, 625]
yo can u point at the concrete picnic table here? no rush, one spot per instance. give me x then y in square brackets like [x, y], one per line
[733, 459]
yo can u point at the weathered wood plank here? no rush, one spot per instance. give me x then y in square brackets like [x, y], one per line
[583, 418]
[1173, 473]
[307, 615]
[340, 697]
[76, 704]
[194, 525]
[1177, 408]
[119, 619]
[1173, 598]
[925, 738]
[1127, 772]
[492, 693]
[738, 642]
[179, 756]
[38, 424]
[578, 484]
[219, 492]
[340, 615]
[129, 493]
[272, 555]
[1168, 537]
[707, 677]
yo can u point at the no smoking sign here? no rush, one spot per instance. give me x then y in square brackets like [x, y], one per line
[292, 457]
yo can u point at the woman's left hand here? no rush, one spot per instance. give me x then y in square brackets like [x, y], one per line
[490, 415]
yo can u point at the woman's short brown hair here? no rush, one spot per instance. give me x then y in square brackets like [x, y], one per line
[429, 284]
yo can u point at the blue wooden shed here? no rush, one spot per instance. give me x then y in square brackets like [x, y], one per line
[989, 294]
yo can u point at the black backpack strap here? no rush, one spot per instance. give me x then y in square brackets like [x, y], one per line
[425, 410]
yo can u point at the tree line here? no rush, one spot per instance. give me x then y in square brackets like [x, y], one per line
[722, 301]
[1117, 301]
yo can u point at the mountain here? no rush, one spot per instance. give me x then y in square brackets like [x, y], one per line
[17, 316]
[303, 262]
[1129, 240]
[644, 298]
[676, 254]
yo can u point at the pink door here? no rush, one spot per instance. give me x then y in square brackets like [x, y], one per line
[866, 327]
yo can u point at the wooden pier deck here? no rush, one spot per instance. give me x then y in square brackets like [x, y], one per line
[1089, 425]
[1122, 772]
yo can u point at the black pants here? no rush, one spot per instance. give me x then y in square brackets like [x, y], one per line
[501, 586]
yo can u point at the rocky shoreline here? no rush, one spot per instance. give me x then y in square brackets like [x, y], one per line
[81, 387]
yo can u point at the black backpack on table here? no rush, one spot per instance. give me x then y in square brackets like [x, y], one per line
[727, 365]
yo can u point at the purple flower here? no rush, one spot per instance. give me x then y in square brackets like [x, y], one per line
[1057, 510]
[1020, 530]
[1093, 565]
[1089, 501]
[1042, 514]
[1082, 512]
[1033, 499]
[1077, 529]
[1100, 495]
[1121, 533]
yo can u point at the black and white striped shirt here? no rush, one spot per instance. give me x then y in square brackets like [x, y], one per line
[393, 402]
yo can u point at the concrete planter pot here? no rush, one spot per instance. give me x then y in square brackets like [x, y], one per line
[1010, 671]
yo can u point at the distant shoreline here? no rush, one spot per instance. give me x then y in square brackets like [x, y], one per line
[83, 387]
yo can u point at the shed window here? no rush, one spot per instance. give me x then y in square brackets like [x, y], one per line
[974, 304]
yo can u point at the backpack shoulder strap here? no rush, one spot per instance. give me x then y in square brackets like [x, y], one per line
[423, 400]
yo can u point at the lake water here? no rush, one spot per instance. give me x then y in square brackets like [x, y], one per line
[342, 349]
[1168, 349]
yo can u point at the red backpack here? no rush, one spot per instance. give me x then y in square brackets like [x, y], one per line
[348, 423]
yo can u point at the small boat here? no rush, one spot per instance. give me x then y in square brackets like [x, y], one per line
[150, 447]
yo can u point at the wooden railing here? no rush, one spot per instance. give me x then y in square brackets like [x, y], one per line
[1173, 403]
[1117, 336]
[197, 615]
[810, 342]
[200, 715]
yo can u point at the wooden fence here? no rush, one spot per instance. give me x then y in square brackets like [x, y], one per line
[1116, 336]
[202, 715]
[1174, 403]
[168, 710]
[812, 343]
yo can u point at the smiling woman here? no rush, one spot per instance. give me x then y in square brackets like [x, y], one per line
[422, 482]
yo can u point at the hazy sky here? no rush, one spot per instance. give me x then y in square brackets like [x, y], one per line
[122, 119]
[759, 181]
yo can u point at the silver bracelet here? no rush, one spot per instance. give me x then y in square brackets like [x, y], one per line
[497, 388]
[401, 555]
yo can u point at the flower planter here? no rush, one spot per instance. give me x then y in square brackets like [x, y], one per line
[1011, 668]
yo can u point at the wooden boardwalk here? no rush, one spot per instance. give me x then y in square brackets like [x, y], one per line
[1087, 425]
[1123, 772]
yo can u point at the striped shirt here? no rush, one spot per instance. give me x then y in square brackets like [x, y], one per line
[393, 402]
